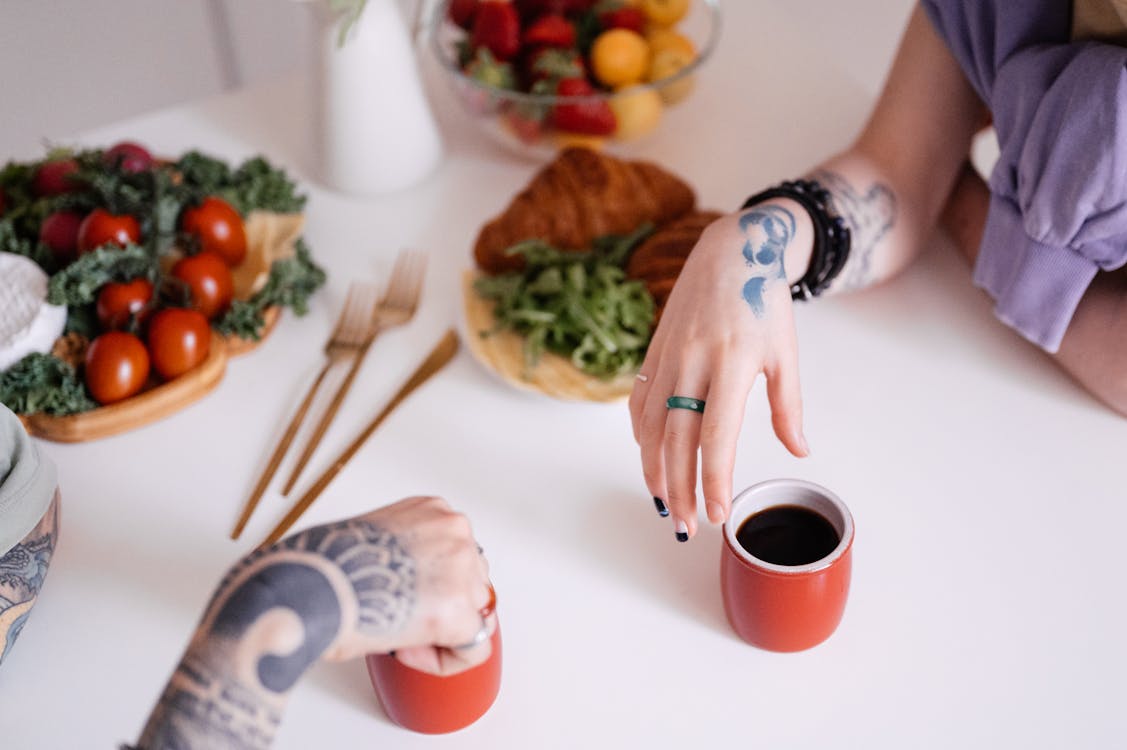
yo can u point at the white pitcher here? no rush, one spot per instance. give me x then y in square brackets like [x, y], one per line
[374, 131]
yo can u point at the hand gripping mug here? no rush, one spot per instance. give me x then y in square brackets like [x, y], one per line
[432, 704]
[785, 564]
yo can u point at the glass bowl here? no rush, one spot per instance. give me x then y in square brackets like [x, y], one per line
[532, 125]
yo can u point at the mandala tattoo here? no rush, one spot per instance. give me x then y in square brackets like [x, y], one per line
[206, 704]
[768, 229]
[870, 214]
[23, 570]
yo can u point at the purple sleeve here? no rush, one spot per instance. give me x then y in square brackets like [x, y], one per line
[1058, 211]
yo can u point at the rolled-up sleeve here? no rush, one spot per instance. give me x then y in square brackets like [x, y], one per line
[1058, 212]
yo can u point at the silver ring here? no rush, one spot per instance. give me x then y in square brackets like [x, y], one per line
[479, 638]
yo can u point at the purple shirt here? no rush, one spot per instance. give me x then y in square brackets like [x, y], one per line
[1058, 211]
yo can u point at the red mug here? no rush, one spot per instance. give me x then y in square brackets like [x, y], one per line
[782, 607]
[431, 704]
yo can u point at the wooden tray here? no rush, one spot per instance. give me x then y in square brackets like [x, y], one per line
[270, 237]
[148, 406]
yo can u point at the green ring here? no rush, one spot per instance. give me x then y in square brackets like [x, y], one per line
[684, 402]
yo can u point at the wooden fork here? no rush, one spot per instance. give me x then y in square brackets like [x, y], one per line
[396, 308]
[348, 339]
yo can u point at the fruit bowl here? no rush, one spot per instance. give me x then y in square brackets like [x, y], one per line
[518, 77]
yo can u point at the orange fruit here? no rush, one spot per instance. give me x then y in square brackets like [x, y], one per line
[665, 12]
[666, 63]
[620, 57]
[637, 110]
[661, 38]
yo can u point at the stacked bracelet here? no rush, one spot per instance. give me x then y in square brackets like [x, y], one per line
[831, 235]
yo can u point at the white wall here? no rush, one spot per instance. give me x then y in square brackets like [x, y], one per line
[69, 65]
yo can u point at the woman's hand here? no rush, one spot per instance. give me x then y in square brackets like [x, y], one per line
[728, 319]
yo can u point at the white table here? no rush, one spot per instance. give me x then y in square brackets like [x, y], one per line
[987, 606]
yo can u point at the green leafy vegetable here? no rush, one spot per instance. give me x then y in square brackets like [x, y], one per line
[254, 185]
[43, 383]
[291, 283]
[579, 305]
[78, 283]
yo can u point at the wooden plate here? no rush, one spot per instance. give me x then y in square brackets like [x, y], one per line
[148, 406]
[503, 354]
[237, 346]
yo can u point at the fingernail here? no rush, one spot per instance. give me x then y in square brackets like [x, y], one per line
[661, 509]
[681, 531]
[805, 445]
[716, 513]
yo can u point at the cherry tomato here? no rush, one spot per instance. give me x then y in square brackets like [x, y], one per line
[117, 366]
[128, 157]
[209, 279]
[219, 229]
[54, 178]
[121, 302]
[59, 231]
[101, 227]
[179, 339]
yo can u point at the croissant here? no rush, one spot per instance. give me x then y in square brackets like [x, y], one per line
[577, 197]
[658, 260]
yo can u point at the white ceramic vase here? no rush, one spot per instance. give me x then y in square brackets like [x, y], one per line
[374, 131]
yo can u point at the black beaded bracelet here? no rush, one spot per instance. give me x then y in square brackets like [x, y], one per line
[832, 237]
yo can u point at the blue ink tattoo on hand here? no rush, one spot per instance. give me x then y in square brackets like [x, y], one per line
[767, 231]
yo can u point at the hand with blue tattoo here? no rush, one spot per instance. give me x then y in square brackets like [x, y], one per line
[407, 578]
[728, 320]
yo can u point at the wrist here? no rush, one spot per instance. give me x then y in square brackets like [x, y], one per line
[800, 246]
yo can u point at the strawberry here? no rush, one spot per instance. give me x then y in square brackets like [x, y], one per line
[462, 12]
[526, 129]
[626, 17]
[497, 28]
[555, 64]
[591, 117]
[550, 31]
[536, 8]
[486, 69]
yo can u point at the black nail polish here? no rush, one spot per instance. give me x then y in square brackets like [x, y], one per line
[682, 536]
[661, 509]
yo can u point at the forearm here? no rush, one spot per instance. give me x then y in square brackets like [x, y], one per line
[208, 704]
[22, 572]
[891, 185]
[274, 615]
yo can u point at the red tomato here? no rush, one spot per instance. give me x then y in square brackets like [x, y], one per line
[117, 366]
[101, 227]
[54, 178]
[209, 279]
[59, 231]
[179, 339]
[219, 229]
[128, 157]
[120, 302]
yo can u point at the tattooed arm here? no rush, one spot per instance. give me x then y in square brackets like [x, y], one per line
[22, 572]
[729, 317]
[399, 579]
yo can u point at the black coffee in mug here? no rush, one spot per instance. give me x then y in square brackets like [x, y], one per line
[788, 535]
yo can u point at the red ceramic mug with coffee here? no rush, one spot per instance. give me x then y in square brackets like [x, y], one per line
[785, 564]
[432, 704]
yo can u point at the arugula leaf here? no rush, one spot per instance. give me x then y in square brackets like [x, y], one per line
[43, 383]
[579, 305]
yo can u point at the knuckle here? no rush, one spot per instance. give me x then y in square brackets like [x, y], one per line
[676, 437]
